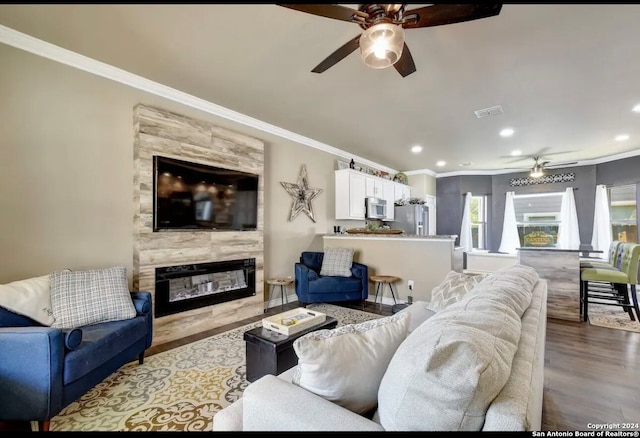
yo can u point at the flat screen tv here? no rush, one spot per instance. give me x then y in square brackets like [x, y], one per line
[192, 196]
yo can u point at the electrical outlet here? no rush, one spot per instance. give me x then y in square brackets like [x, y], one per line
[410, 283]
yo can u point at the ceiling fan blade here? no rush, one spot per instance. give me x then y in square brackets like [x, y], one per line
[560, 164]
[331, 11]
[524, 168]
[405, 64]
[522, 158]
[435, 15]
[338, 55]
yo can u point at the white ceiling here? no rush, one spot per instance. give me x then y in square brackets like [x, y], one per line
[566, 76]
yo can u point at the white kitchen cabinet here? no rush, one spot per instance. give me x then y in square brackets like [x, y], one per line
[352, 187]
[374, 187]
[349, 194]
[388, 192]
[401, 191]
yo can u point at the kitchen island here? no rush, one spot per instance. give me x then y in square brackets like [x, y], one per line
[561, 269]
[425, 259]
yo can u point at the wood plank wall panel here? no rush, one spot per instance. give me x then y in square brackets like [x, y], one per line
[562, 272]
[160, 132]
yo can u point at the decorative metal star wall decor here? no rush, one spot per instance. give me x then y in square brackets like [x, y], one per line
[302, 195]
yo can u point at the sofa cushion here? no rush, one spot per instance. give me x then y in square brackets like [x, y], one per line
[30, 297]
[345, 364]
[451, 367]
[101, 343]
[514, 285]
[454, 286]
[337, 285]
[81, 298]
[337, 262]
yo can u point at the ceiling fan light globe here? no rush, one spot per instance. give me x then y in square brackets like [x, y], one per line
[536, 172]
[381, 45]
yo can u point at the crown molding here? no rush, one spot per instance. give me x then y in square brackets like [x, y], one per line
[50, 51]
[593, 161]
[421, 172]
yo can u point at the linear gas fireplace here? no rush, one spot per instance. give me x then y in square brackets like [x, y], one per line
[186, 287]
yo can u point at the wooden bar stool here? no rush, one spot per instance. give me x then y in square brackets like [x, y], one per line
[381, 281]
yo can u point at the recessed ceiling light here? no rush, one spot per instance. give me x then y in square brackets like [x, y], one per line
[516, 153]
[441, 163]
[622, 137]
[507, 132]
[636, 108]
[416, 149]
[465, 164]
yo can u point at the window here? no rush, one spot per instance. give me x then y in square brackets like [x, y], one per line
[478, 221]
[623, 212]
[538, 218]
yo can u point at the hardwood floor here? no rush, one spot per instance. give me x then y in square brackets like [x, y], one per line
[592, 374]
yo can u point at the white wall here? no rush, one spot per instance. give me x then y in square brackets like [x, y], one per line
[422, 184]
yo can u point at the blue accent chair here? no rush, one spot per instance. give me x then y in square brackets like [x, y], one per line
[311, 287]
[44, 369]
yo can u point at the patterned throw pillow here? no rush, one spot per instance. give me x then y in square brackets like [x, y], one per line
[80, 298]
[337, 262]
[454, 286]
[345, 365]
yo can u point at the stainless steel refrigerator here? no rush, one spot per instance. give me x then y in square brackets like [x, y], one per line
[412, 219]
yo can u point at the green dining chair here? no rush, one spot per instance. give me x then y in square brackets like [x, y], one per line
[599, 263]
[601, 289]
[624, 280]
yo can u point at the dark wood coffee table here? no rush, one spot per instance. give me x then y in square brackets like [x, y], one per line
[270, 352]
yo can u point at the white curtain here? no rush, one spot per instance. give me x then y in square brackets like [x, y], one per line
[568, 231]
[510, 240]
[465, 231]
[601, 238]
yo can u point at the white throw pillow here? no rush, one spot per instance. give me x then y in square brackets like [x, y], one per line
[450, 368]
[30, 298]
[81, 298]
[454, 286]
[337, 262]
[345, 365]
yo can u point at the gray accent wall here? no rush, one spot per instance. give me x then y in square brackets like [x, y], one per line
[450, 200]
[450, 191]
[448, 206]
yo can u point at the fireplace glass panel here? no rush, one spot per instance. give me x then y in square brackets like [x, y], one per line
[199, 285]
[186, 287]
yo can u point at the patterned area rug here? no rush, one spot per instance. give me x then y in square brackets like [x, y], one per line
[176, 390]
[612, 317]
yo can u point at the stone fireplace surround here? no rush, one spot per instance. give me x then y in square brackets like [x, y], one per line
[159, 132]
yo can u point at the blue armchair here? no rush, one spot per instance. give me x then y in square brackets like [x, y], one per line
[311, 287]
[43, 369]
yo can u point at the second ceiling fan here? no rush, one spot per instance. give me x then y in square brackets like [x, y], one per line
[382, 42]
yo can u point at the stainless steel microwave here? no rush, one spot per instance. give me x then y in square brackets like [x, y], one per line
[375, 208]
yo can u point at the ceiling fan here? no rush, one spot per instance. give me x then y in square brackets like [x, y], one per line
[382, 42]
[539, 166]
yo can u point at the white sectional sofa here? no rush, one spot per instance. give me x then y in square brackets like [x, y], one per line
[477, 364]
